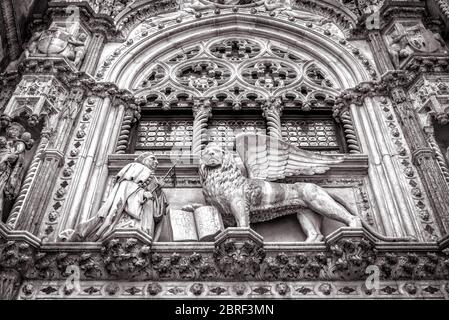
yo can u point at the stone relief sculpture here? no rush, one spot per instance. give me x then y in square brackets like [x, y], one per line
[57, 40]
[413, 39]
[285, 7]
[136, 201]
[253, 198]
[186, 8]
[12, 161]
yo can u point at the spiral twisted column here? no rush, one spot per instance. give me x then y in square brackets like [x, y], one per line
[201, 114]
[438, 154]
[343, 115]
[272, 112]
[122, 143]
[29, 178]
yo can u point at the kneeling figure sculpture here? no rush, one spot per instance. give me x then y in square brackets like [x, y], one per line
[254, 198]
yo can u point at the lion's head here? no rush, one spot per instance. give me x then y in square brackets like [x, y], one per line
[213, 155]
[218, 170]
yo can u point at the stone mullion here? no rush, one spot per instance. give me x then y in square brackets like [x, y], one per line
[29, 181]
[93, 53]
[201, 115]
[423, 157]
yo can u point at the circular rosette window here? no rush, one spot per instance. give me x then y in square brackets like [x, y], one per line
[270, 75]
[235, 50]
[203, 75]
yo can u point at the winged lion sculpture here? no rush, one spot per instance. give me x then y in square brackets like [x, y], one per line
[252, 196]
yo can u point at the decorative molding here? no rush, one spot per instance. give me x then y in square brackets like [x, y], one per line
[404, 289]
[343, 256]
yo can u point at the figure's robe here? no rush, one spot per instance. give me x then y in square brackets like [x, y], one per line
[126, 206]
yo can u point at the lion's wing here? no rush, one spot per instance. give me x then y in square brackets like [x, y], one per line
[271, 159]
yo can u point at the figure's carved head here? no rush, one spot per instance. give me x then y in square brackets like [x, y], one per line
[213, 155]
[3, 142]
[15, 130]
[148, 159]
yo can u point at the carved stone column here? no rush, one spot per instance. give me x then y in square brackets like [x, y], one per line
[430, 135]
[201, 113]
[125, 129]
[272, 111]
[29, 180]
[12, 37]
[342, 114]
[423, 157]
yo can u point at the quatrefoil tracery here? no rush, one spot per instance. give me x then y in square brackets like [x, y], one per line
[237, 73]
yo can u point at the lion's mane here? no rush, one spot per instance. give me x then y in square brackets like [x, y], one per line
[221, 180]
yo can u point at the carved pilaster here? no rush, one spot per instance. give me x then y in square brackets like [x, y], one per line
[381, 55]
[93, 54]
[272, 111]
[201, 113]
[39, 193]
[28, 181]
[423, 157]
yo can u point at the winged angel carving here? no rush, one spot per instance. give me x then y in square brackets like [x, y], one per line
[254, 198]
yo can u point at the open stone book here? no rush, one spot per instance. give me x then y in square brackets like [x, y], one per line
[201, 225]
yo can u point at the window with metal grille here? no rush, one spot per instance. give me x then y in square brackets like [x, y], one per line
[316, 133]
[164, 134]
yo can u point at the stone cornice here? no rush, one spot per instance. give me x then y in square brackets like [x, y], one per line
[344, 255]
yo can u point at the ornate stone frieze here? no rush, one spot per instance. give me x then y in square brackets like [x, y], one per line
[345, 255]
[36, 290]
